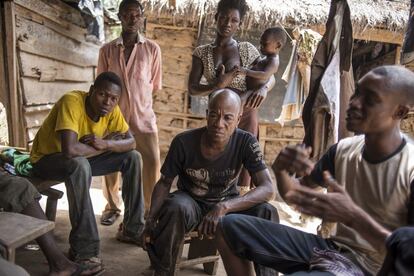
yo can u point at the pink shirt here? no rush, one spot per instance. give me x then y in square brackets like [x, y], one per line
[140, 77]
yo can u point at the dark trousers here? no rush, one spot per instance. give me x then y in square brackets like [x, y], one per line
[77, 174]
[283, 248]
[400, 253]
[181, 214]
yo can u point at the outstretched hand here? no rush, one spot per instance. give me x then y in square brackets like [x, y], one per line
[335, 206]
[295, 159]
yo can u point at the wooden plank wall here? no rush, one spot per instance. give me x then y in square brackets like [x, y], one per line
[171, 103]
[53, 57]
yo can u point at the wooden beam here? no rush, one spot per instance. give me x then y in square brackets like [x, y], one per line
[4, 97]
[43, 41]
[46, 69]
[51, 91]
[16, 135]
[370, 34]
[181, 115]
[66, 18]
[70, 30]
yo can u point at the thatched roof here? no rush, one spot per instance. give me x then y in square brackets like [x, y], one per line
[384, 14]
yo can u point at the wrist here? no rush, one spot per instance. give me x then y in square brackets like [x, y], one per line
[108, 145]
[355, 217]
[223, 207]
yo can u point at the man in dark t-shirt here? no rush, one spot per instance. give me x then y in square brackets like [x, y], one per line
[207, 162]
[211, 180]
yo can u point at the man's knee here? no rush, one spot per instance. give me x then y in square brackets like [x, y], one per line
[401, 239]
[133, 157]
[79, 163]
[173, 206]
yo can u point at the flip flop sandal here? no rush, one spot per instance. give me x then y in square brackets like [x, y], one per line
[109, 218]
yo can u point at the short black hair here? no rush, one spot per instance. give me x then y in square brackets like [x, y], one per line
[125, 3]
[105, 77]
[225, 5]
[278, 34]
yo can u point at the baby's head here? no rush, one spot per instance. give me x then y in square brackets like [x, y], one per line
[272, 40]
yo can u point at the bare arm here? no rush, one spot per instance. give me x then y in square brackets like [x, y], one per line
[71, 147]
[197, 89]
[127, 143]
[160, 193]
[271, 68]
[264, 192]
[116, 142]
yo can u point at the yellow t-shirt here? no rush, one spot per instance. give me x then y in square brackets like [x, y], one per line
[69, 113]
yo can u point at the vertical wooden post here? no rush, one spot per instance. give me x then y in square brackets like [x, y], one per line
[16, 132]
[3, 94]
[398, 55]
[185, 110]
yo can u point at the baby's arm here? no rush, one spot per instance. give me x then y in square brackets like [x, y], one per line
[270, 68]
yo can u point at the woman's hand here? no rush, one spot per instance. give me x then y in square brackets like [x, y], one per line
[224, 79]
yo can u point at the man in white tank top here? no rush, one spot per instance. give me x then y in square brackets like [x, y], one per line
[369, 177]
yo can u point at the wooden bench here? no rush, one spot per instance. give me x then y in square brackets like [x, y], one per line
[17, 230]
[201, 251]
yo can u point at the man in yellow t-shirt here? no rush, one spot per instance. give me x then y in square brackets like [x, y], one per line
[86, 135]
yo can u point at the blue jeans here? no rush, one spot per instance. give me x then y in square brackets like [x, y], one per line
[270, 244]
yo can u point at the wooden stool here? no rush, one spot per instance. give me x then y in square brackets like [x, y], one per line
[45, 188]
[201, 251]
[17, 230]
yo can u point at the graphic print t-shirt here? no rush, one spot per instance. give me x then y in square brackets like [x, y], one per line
[211, 180]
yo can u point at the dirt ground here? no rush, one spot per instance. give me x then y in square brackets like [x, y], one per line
[118, 258]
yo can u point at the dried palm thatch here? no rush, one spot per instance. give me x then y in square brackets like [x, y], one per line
[391, 15]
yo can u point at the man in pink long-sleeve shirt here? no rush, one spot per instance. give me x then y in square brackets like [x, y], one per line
[137, 61]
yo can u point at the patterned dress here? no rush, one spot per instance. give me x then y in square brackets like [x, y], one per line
[248, 54]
